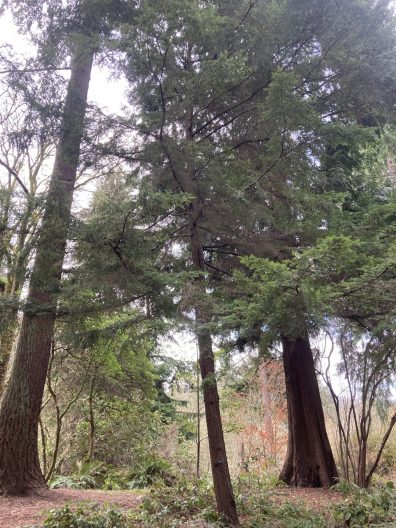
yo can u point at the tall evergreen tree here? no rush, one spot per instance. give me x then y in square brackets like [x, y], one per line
[182, 78]
[239, 112]
[85, 22]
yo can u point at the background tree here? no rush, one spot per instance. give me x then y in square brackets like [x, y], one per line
[367, 365]
[27, 145]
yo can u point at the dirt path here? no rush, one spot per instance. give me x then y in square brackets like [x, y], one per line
[312, 498]
[16, 512]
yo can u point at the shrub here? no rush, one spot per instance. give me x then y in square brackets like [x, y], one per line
[187, 502]
[363, 508]
[151, 471]
[84, 516]
[95, 475]
[80, 482]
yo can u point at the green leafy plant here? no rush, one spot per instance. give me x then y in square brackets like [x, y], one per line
[84, 516]
[74, 482]
[170, 507]
[93, 475]
[152, 471]
[368, 508]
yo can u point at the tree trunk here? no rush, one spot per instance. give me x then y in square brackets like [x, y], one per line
[218, 457]
[362, 463]
[198, 464]
[186, 178]
[43, 447]
[21, 402]
[309, 459]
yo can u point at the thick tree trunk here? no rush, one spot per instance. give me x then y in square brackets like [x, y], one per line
[21, 402]
[309, 459]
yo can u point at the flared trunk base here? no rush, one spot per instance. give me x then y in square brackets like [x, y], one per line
[309, 460]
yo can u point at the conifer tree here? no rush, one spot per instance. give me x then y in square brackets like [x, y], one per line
[84, 23]
[239, 112]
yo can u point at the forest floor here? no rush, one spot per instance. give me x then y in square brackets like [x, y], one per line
[313, 498]
[16, 512]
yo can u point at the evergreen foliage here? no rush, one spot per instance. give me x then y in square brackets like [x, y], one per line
[246, 194]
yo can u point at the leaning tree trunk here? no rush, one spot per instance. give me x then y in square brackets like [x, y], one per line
[218, 457]
[21, 402]
[309, 459]
[186, 178]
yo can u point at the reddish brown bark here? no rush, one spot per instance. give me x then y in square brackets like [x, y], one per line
[218, 457]
[21, 403]
[309, 459]
[225, 500]
[187, 181]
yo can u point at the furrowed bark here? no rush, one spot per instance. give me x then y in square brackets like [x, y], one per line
[309, 459]
[21, 402]
[218, 457]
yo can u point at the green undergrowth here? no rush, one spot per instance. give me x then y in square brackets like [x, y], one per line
[189, 503]
[85, 515]
[98, 475]
[259, 506]
[361, 508]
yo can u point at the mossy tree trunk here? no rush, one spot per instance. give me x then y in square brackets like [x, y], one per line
[21, 402]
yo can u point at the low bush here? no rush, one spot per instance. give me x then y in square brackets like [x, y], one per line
[151, 471]
[190, 503]
[362, 508]
[186, 502]
[84, 516]
[89, 475]
[98, 475]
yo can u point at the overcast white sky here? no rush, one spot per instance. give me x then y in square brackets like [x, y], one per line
[104, 91]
